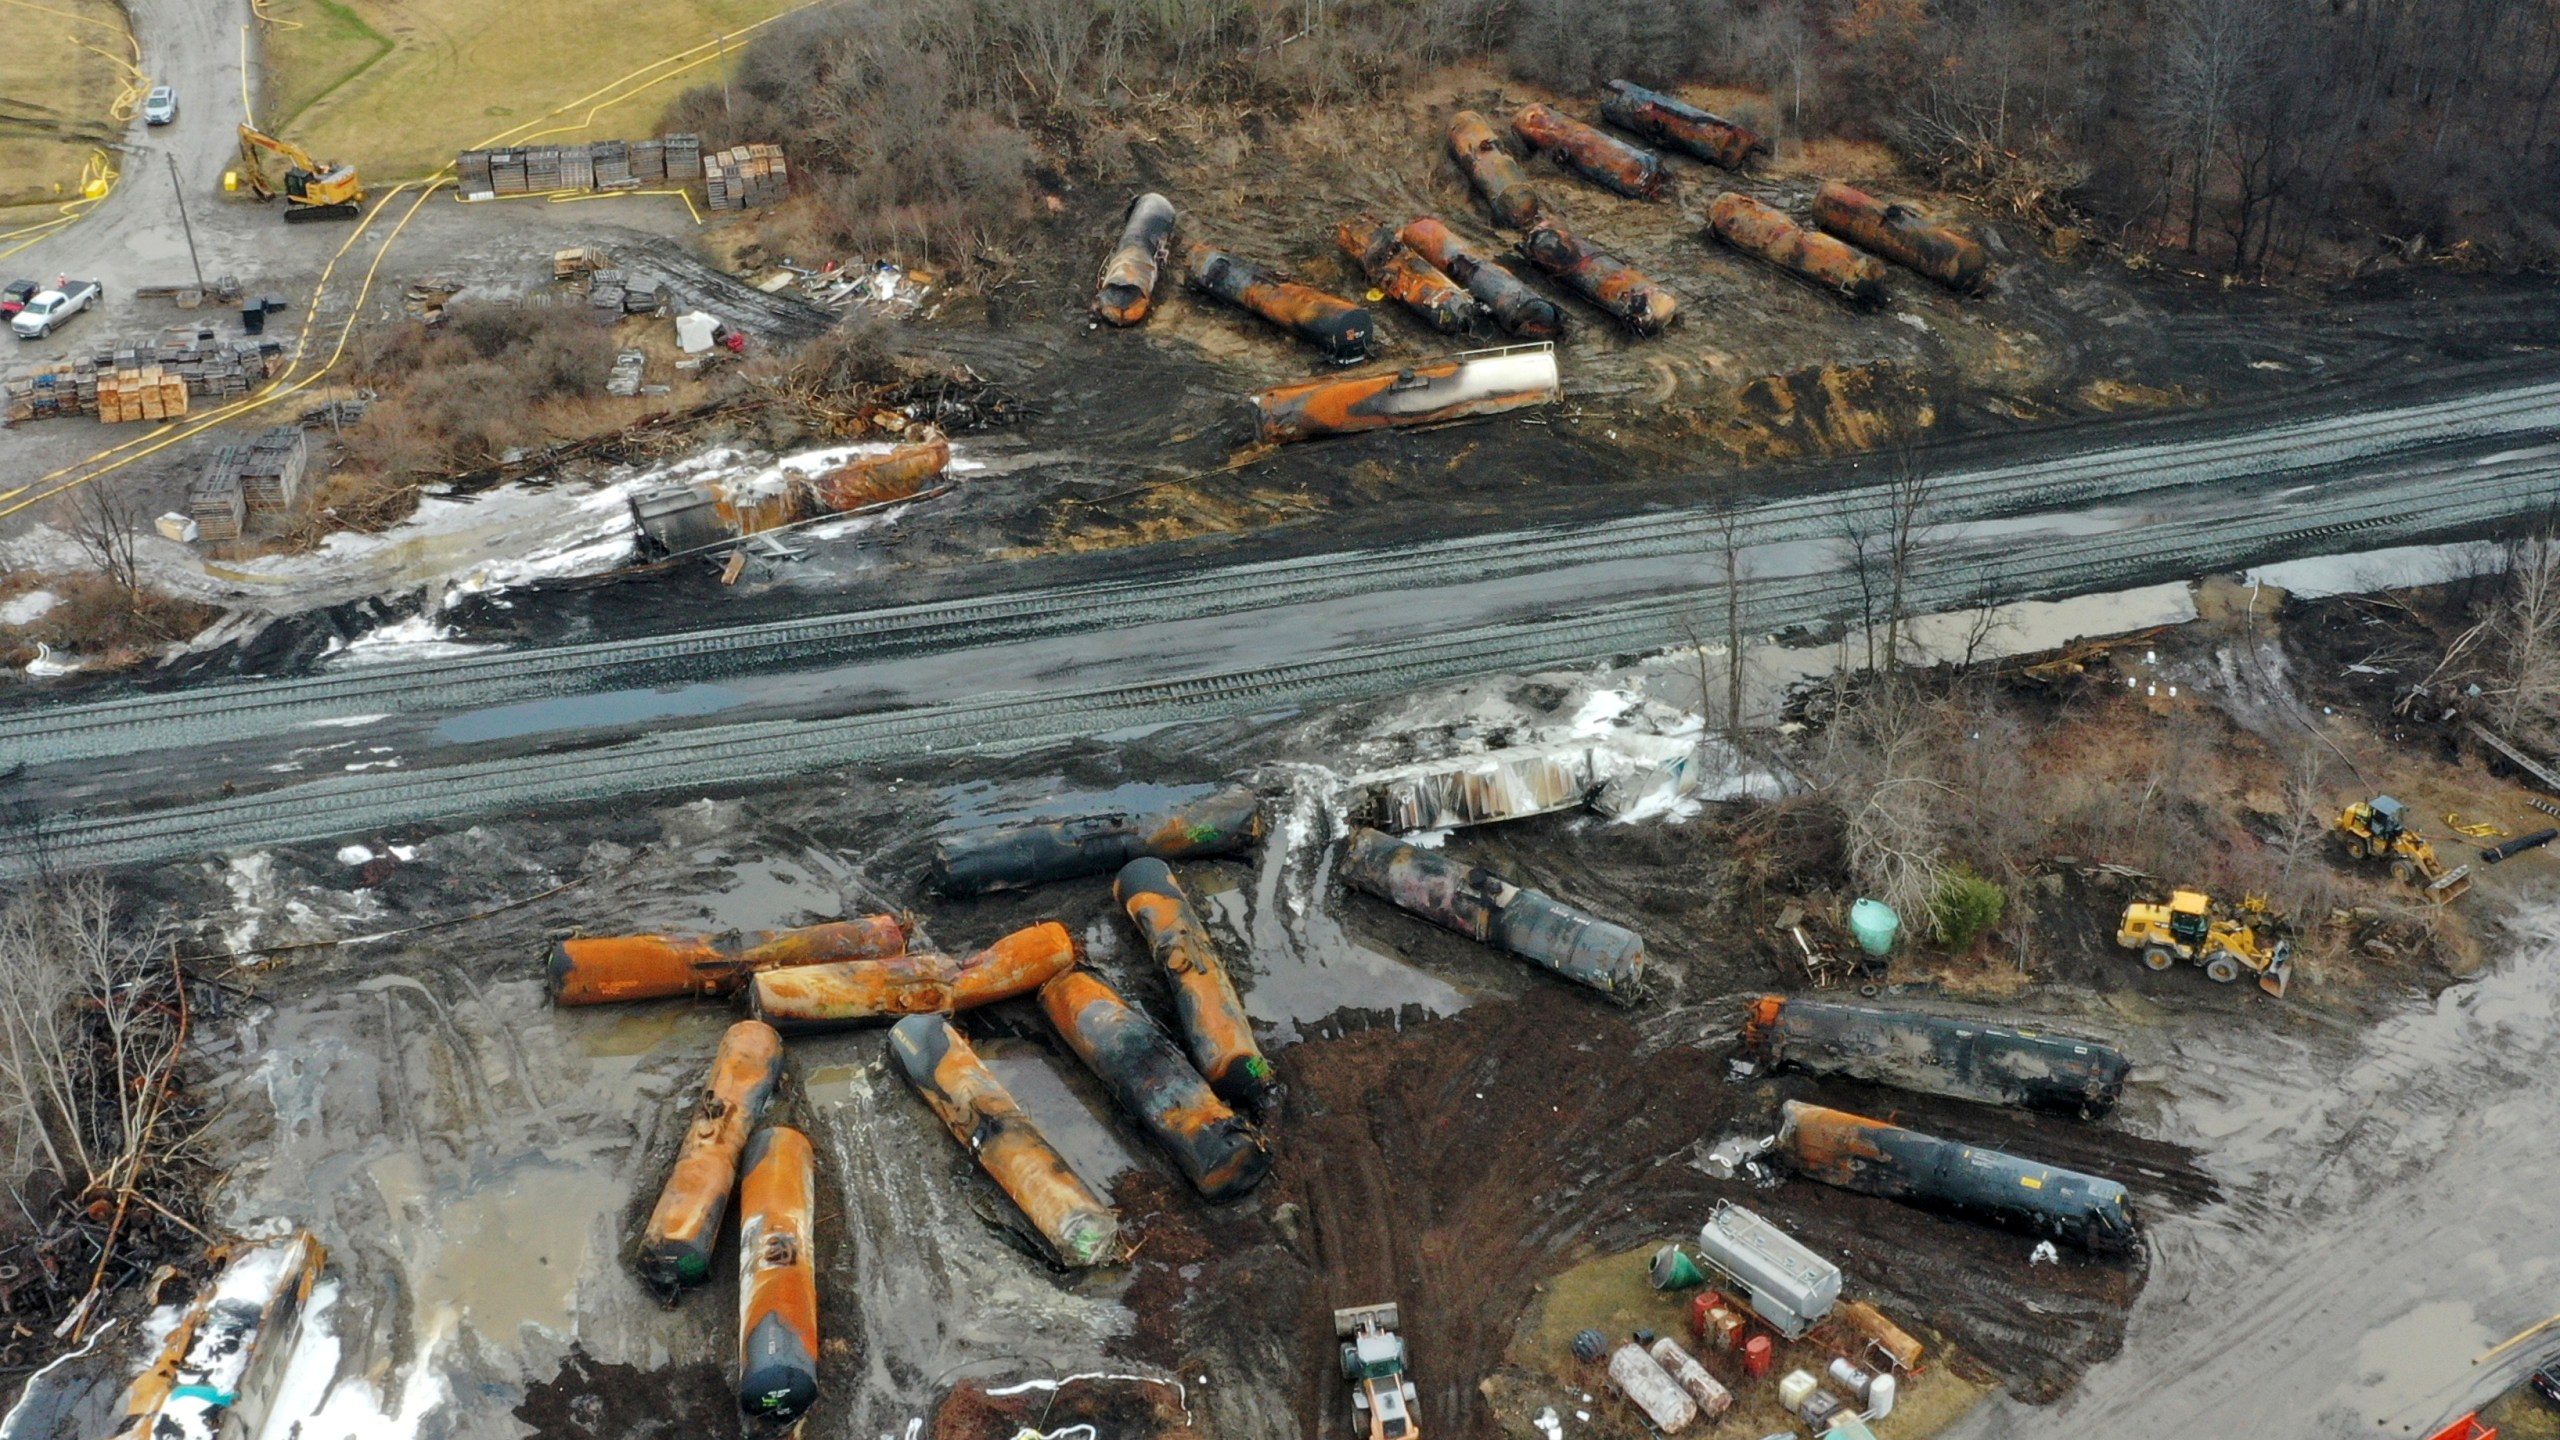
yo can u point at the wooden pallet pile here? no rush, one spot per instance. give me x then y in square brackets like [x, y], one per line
[745, 177]
[215, 501]
[594, 165]
[145, 392]
[272, 475]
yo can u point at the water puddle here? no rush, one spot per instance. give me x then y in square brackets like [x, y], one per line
[602, 710]
[831, 1084]
[779, 893]
[628, 1034]
[1091, 1148]
[500, 1247]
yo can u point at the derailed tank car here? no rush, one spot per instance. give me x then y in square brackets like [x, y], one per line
[1222, 1155]
[1601, 278]
[1595, 155]
[1214, 1024]
[1874, 1158]
[1683, 126]
[778, 1277]
[1516, 307]
[1494, 171]
[1204, 821]
[601, 969]
[1128, 285]
[1079, 1226]
[1427, 392]
[1483, 906]
[1937, 1054]
[684, 1226]
[1330, 323]
[1902, 235]
[814, 999]
[1406, 277]
[1762, 230]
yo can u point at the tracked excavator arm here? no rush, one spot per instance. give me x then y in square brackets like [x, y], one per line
[270, 167]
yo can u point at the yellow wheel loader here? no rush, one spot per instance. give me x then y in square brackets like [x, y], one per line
[2378, 829]
[2187, 929]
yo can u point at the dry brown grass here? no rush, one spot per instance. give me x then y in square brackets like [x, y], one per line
[70, 90]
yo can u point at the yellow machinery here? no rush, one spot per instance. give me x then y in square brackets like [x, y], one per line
[2379, 827]
[2187, 929]
[312, 191]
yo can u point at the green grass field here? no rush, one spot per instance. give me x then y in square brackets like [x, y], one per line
[56, 108]
[397, 89]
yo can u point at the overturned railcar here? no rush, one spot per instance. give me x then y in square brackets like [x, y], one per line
[1406, 278]
[1874, 1158]
[1128, 287]
[1764, 231]
[1902, 235]
[1937, 1054]
[1601, 278]
[601, 969]
[684, 1227]
[1682, 126]
[1078, 1225]
[1427, 392]
[778, 1277]
[1342, 330]
[1214, 1026]
[1222, 1155]
[1594, 155]
[814, 999]
[1494, 171]
[1516, 307]
[1483, 906]
[1197, 823]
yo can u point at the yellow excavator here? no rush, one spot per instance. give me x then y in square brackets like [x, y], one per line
[2187, 929]
[312, 191]
[2379, 828]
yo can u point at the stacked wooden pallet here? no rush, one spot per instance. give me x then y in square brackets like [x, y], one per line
[271, 475]
[143, 392]
[577, 168]
[197, 361]
[649, 161]
[745, 177]
[605, 289]
[215, 501]
[611, 160]
[595, 165]
[684, 158]
[473, 173]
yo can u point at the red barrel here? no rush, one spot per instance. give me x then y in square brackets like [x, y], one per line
[1756, 1356]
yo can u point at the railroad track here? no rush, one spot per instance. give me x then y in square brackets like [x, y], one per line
[763, 751]
[212, 714]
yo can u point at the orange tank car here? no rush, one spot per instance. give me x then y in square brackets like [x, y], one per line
[598, 969]
[1223, 1156]
[1764, 231]
[1598, 157]
[1128, 285]
[1902, 235]
[1496, 175]
[1517, 308]
[675, 1249]
[1428, 392]
[778, 1277]
[1214, 1025]
[1676, 123]
[880, 479]
[1342, 330]
[982, 1115]
[1601, 278]
[1407, 278]
[814, 998]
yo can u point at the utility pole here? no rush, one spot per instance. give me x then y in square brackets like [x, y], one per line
[183, 222]
[725, 108]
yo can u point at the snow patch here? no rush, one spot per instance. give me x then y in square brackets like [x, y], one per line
[342, 722]
[310, 1399]
[417, 638]
[28, 608]
[355, 854]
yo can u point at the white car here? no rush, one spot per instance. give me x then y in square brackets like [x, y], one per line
[50, 308]
[161, 106]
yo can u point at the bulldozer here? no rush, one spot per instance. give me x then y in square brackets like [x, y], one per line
[2187, 929]
[1373, 1361]
[312, 191]
[2379, 828]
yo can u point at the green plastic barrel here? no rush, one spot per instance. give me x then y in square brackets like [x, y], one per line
[1875, 925]
[1672, 1269]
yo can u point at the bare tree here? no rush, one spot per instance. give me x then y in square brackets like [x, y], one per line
[2522, 634]
[106, 524]
[1736, 574]
[1908, 496]
[2207, 55]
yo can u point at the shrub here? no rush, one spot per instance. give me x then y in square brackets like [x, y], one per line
[1964, 907]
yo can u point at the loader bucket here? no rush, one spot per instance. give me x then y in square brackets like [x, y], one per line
[1347, 1321]
[2279, 970]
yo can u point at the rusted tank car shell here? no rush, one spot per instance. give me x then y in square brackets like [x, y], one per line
[982, 1115]
[1516, 308]
[601, 969]
[1902, 235]
[1938, 1054]
[1483, 906]
[1215, 1028]
[1492, 170]
[778, 1277]
[1128, 285]
[1601, 278]
[217, 1373]
[1593, 154]
[814, 999]
[675, 1248]
[1874, 1158]
[880, 479]
[1427, 393]
[1342, 330]
[1208, 820]
[1223, 1156]
[1407, 278]
[1765, 232]
[1665, 121]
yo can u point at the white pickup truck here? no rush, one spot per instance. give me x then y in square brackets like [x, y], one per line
[45, 313]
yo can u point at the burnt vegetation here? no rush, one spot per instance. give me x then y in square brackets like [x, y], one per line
[2258, 136]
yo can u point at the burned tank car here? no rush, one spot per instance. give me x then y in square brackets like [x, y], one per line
[1937, 1055]
[1874, 1158]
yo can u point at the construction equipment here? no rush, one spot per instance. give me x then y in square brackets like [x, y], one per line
[2379, 828]
[312, 191]
[1373, 1361]
[2187, 929]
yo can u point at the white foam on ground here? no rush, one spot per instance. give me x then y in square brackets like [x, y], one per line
[342, 722]
[27, 609]
[417, 638]
[312, 1403]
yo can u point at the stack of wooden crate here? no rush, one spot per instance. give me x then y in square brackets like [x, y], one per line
[684, 158]
[612, 164]
[143, 392]
[649, 161]
[577, 168]
[745, 177]
[215, 501]
[472, 173]
[506, 172]
[271, 475]
[595, 165]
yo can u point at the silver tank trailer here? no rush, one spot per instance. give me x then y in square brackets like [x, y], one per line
[1785, 1284]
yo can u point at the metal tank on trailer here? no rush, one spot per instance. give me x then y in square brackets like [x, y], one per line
[1785, 1283]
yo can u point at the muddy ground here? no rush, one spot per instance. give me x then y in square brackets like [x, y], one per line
[1459, 1130]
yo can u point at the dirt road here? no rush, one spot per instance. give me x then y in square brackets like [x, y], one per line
[2393, 1198]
